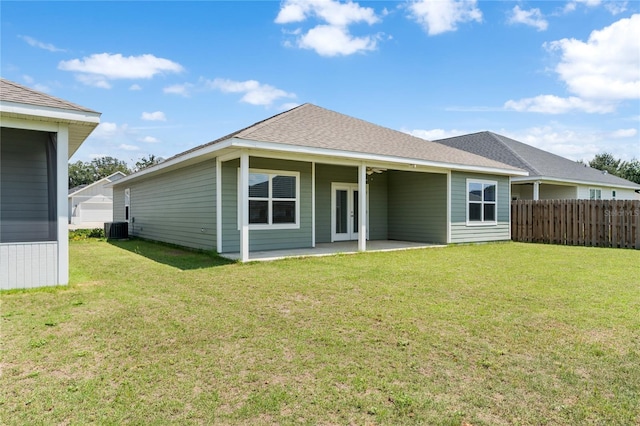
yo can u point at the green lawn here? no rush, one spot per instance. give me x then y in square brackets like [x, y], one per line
[494, 334]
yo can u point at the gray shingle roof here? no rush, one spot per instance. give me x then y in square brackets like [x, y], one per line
[311, 126]
[537, 162]
[14, 92]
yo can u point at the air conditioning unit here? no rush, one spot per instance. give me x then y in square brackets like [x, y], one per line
[116, 230]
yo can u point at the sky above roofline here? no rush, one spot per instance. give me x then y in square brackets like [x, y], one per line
[168, 76]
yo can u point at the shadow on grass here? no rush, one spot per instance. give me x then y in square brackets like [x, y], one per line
[171, 255]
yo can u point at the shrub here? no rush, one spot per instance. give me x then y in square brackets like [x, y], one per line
[83, 234]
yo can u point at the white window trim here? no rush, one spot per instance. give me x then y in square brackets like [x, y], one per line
[127, 205]
[595, 190]
[483, 222]
[295, 225]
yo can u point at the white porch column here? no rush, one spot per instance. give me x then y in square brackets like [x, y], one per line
[362, 207]
[536, 190]
[62, 191]
[313, 204]
[218, 205]
[244, 207]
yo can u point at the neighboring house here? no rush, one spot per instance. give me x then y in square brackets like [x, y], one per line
[92, 204]
[38, 135]
[301, 177]
[550, 176]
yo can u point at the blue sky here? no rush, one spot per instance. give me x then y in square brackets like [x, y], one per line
[563, 76]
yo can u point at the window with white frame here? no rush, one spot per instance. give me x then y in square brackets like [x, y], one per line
[274, 199]
[127, 204]
[482, 202]
[595, 194]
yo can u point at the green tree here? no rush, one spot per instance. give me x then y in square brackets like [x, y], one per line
[630, 170]
[79, 174]
[606, 161]
[145, 162]
[84, 173]
[105, 166]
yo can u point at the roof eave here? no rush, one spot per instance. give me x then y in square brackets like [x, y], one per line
[325, 152]
[209, 149]
[574, 181]
[65, 115]
[274, 146]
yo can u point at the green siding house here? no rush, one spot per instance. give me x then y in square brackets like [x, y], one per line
[309, 176]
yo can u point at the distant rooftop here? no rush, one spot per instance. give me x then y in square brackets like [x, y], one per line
[537, 162]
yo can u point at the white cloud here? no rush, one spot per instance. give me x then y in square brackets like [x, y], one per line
[179, 89]
[437, 17]
[37, 86]
[255, 93]
[601, 72]
[606, 66]
[97, 69]
[623, 133]
[93, 80]
[135, 87]
[551, 104]
[332, 12]
[328, 40]
[105, 130]
[36, 43]
[154, 116]
[577, 144]
[532, 17]
[127, 147]
[435, 134]
[332, 37]
[614, 7]
[289, 105]
[149, 139]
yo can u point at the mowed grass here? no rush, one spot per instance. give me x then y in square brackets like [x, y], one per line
[494, 334]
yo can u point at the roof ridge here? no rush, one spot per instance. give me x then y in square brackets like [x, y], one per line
[511, 150]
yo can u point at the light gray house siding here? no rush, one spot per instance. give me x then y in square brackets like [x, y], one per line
[24, 191]
[265, 239]
[176, 207]
[460, 231]
[418, 207]
[28, 265]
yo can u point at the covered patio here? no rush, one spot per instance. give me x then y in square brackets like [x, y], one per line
[330, 249]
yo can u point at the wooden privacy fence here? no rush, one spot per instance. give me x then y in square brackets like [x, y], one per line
[598, 223]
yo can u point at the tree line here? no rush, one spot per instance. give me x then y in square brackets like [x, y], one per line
[629, 170]
[87, 172]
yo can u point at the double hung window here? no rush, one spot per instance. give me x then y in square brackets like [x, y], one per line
[274, 199]
[481, 202]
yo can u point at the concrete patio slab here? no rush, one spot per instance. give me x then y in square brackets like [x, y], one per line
[329, 249]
